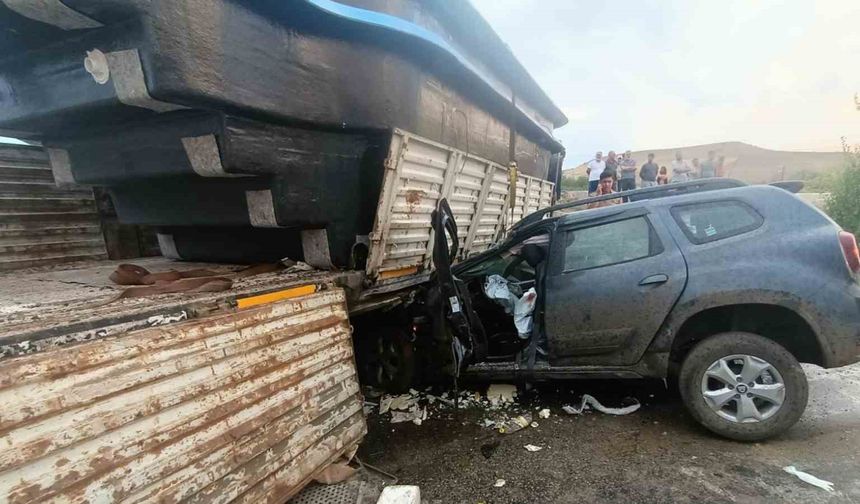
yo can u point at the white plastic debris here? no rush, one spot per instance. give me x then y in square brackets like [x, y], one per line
[295, 266]
[588, 401]
[499, 483]
[533, 448]
[400, 494]
[401, 402]
[415, 414]
[501, 393]
[385, 404]
[511, 425]
[544, 413]
[534, 425]
[808, 478]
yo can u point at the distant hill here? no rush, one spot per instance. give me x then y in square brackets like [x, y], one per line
[744, 161]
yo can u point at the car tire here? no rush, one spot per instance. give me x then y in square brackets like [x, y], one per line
[712, 363]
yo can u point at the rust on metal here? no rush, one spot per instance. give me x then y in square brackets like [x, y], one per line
[238, 406]
[42, 224]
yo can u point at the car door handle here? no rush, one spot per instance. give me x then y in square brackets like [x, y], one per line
[654, 279]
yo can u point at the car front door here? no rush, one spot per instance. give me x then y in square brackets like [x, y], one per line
[609, 286]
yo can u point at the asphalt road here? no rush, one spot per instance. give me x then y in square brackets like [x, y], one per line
[657, 454]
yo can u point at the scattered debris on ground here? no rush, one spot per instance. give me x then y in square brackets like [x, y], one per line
[588, 401]
[533, 448]
[808, 478]
[499, 483]
[504, 412]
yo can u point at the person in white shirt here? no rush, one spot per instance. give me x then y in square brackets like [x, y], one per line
[593, 169]
[680, 168]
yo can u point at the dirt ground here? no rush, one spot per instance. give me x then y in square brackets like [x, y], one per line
[654, 455]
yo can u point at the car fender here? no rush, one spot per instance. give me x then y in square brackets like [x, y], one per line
[686, 308]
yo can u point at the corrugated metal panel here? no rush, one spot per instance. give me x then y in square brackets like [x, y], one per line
[418, 173]
[532, 194]
[42, 224]
[237, 407]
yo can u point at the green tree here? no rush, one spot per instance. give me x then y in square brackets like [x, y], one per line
[843, 204]
[818, 182]
[574, 183]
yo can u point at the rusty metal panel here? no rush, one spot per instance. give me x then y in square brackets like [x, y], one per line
[239, 406]
[41, 224]
[419, 172]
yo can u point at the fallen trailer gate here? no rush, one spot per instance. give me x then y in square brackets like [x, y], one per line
[222, 404]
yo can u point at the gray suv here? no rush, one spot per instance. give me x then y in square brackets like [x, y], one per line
[722, 288]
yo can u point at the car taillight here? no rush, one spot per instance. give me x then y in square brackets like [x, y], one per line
[850, 250]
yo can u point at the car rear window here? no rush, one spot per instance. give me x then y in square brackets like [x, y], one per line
[610, 243]
[715, 220]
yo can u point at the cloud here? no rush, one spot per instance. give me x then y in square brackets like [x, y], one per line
[645, 74]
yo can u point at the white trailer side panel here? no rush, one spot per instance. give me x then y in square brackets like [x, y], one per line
[419, 172]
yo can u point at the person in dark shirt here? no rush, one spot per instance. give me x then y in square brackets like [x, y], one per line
[611, 164]
[648, 172]
[612, 168]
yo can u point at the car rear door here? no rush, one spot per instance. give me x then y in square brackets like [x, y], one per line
[610, 284]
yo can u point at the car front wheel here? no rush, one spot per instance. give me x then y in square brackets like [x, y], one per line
[743, 386]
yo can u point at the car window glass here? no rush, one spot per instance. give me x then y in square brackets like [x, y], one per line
[707, 222]
[610, 243]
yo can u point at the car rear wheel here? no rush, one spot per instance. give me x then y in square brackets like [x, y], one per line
[743, 386]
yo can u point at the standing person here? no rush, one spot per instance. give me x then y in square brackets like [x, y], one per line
[612, 167]
[695, 170]
[680, 168]
[721, 167]
[709, 166]
[648, 172]
[593, 169]
[662, 176]
[628, 172]
[607, 180]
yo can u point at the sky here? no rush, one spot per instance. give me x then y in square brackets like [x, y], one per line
[649, 74]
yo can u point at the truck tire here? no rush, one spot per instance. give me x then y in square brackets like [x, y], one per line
[386, 359]
[743, 386]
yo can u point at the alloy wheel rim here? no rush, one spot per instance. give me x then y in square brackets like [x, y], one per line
[743, 388]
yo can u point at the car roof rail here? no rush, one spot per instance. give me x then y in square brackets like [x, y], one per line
[792, 186]
[662, 191]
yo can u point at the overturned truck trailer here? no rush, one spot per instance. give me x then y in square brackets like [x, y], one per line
[250, 131]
